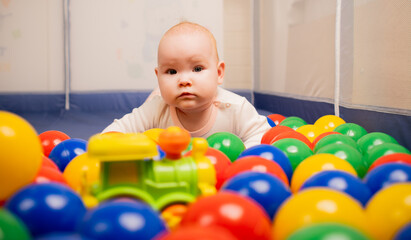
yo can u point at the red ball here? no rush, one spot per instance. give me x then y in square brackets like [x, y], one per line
[47, 162]
[319, 137]
[293, 134]
[47, 174]
[191, 232]
[50, 139]
[256, 164]
[240, 215]
[273, 132]
[220, 161]
[277, 118]
[395, 157]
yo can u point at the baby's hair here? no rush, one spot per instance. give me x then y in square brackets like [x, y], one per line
[187, 26]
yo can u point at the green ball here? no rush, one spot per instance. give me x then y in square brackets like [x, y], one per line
[228, 143]
[12, 227]
[382, 150]
[327, 231]
[294, 149]
[370, 140]
[334, 139]
[352, 130]
[293, 122]
[349, 154]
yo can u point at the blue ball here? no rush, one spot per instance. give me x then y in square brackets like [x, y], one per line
[271, 122]
[340, 181]
[62, 236]
[47, 207]
[264, 188]
[65, 151]
[122, 220]
[387, 174]
[404, 233]
[270, 152]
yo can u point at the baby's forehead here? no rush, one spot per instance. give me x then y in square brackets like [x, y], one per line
[189, 30]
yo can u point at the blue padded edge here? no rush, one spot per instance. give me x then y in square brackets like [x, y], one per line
[395, 125]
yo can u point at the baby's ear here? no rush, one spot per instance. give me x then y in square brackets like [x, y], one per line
[156, 71]
[220, 72]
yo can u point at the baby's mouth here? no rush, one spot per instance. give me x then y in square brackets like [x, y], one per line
[186, 94]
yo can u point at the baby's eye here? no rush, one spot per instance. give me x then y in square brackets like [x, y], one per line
[198, 69]
[171, 71]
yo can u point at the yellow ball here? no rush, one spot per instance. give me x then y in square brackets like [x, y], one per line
[389, 210]
[310, 131]
[318, 205]
[315, 164]
[20, 153]
[327, 123]
[82, 172]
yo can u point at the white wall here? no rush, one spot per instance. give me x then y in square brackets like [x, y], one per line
[31, 46]
[113, 42]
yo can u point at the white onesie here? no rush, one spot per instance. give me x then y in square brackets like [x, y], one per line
[231, 113]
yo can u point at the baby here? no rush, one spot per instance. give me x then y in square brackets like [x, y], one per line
[189, 73]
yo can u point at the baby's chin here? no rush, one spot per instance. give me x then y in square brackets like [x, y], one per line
[188, 107]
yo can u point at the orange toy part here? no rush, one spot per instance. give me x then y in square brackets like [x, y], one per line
[173, 141]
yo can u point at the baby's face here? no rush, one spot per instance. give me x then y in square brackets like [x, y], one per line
[188, 70]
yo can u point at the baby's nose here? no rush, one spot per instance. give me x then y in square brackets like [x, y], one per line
[184, 80]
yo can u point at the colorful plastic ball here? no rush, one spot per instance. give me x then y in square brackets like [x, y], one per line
[309, 131]
[352, 130]
[347, 153]
[340, 181]
[240, 215]
[295, 135]
[391, 158]
[404, 233]
[389, 210]
[196, 232]
[82, 170]
[47, 207]
[271, 122]
[50, 139]
[294, 149]
[46, 175]
[293, 122]
[65, 151]
[20, 153]
[265, 189]
[318, 205]
[386, 175]
[47, 162]
[122, 220]
[271, 133]
[335, 139]
[270, 152]
[220, 161]
[321, 137]
[277, 118]
[256, 164]
[382, 150]
[328, 123]
[318, 163]
[11, 227]
[328, 231]
[62, 236]
[370, 140]
[228, 143]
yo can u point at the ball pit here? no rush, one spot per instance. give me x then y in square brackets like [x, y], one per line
[271, 191]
